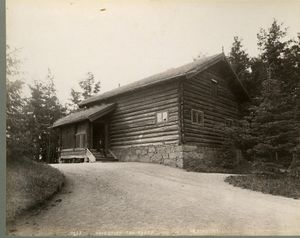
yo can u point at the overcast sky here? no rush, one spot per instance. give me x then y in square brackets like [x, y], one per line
[124, 41]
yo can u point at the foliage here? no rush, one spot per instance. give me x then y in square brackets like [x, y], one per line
[272, 115]
[272, 120]
[16, 136]
[88, 88]
[43, 109]
[240, 60]
[294, 168]
[281, 185]
[235, 142]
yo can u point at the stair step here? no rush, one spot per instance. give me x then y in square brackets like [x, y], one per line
[100, 157]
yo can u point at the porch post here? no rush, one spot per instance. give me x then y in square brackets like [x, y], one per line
[91, 136]
[106, 137]
[74, 136]
[60, 138]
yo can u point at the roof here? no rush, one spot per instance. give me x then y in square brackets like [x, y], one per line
[193, 67]
[90, 114]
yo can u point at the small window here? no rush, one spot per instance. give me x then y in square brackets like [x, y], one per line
[197, 117]
[162, 117]
[214, 87]
[228, 122]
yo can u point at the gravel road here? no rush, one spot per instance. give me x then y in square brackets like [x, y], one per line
[149, 199]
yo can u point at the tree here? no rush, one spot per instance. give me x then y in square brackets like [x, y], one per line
[249, 70]
[273, 120]
[268, 130]
[43, 109]
[239, 59]
[16, 142]
[75, 100]
[88, 88]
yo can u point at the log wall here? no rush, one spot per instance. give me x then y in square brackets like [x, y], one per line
[133, 123]
[197, 94]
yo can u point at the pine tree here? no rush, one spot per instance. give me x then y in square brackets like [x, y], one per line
[272, 119]
[239, 59]
[16, 141]
[43, 109]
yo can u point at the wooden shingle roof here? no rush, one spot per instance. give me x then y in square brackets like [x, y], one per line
[154, 79]
[195, 66]
[90, 114]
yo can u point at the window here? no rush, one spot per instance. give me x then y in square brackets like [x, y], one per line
[162, 117]
[197, 117]
[214, 87]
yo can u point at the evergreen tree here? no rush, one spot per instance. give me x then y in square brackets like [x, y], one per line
[43, 109]
[16, 141]
[249, 70]
[272, 119]
[239, 59]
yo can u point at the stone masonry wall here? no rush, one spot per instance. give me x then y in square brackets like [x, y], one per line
[170, 155]
[190, 157]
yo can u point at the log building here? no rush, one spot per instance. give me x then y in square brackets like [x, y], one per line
[169, 118]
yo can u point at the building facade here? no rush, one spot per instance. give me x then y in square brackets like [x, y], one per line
[170, 118]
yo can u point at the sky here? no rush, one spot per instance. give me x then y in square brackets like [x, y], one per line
[124, 41]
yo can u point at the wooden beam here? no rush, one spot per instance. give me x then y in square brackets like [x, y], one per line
[91, 135]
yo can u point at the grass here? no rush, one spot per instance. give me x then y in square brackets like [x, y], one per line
[29, 183]
[280, 185]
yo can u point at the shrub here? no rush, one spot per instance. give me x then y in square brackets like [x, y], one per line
[280, 185]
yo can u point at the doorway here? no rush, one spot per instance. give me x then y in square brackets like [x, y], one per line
[99, 137]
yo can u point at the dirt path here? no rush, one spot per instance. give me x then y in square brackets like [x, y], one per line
[148, 199]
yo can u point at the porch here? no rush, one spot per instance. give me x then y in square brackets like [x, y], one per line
[84, 135]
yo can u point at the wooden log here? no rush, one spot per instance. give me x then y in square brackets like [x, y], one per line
[143, 122]
[122, 129]
[133, 99]
[192, 104]
[190, 95]
[138, 131]
[138, 115]
[145, 144]
[143, 105]
[144, 136]
[173, 138]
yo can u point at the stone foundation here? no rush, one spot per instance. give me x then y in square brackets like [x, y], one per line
[170, 155]
[201, 159]
[190, 157]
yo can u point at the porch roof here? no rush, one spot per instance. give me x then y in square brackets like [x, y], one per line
[91, 114]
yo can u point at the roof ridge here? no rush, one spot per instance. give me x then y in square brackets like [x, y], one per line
[155, 78]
